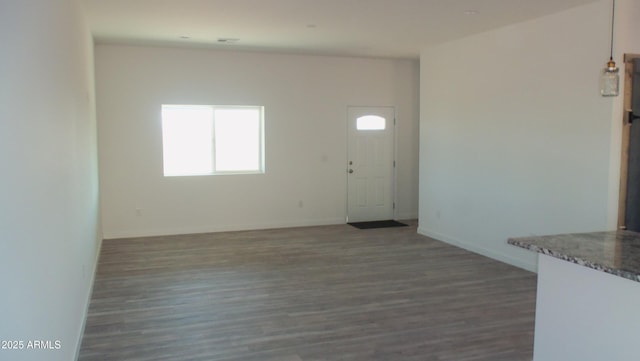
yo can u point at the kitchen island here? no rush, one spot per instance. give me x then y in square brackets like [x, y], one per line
[588, 297]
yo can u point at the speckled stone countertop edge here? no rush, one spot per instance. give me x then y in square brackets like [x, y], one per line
[577, 260]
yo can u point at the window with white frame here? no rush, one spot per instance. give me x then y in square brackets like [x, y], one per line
[212, 139]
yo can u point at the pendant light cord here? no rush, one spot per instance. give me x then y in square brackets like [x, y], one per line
[613, 21]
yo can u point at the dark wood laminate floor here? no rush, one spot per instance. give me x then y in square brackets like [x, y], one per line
[303, 294]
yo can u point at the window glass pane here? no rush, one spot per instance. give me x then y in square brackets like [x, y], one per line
[371, 122]
[238, 139]
[200, 139]
[186, 140]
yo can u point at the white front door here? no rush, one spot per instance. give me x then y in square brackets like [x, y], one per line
[370, 164]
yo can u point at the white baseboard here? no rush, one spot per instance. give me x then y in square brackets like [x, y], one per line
[221, 228]
[406, 216]
[529, 266]
[92, 282]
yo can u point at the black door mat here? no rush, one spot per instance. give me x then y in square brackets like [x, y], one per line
[377, 224]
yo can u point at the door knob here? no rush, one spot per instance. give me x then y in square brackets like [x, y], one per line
[350, 170]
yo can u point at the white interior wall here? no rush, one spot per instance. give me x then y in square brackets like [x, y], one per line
[515, 139]
[305, 99]
[49, 186]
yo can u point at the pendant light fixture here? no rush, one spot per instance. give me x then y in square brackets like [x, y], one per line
[610, 77]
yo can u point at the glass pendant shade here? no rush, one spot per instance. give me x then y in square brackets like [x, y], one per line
[610, 77]
[610, 80]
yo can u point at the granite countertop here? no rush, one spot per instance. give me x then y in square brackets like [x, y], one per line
[615, 252]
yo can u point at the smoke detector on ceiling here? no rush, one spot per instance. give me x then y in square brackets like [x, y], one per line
[228, 40]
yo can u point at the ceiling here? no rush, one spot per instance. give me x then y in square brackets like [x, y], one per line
[370, 28]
